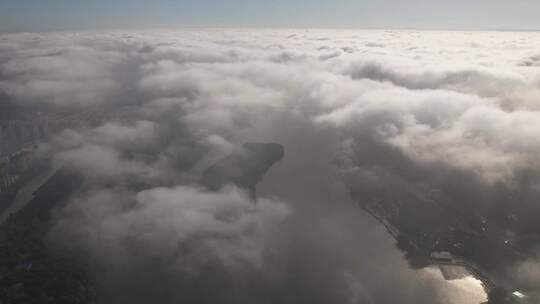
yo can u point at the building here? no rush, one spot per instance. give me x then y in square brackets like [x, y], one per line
[518, 297]
[18, 134]
[442, 256]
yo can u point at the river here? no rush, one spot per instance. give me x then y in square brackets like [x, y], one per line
[341, 242]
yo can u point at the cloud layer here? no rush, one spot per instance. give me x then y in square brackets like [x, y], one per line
[388, 112]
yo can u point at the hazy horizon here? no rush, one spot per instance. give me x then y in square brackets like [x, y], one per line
[32, 15]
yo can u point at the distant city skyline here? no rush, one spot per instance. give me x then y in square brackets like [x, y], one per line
[48, 15]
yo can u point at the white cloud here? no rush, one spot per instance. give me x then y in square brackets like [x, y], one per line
[408, 109]
[186, 226]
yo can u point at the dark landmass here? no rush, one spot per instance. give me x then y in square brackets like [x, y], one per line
[8, 195]
[8, 109]
[245, 167]
[489, 242]
[7, 198]
[31, 272]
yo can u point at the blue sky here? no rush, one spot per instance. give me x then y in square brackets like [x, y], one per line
[43, 15]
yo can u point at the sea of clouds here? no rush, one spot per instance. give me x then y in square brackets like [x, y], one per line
[388, 111]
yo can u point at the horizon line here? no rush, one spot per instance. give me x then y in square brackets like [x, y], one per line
[196, 27]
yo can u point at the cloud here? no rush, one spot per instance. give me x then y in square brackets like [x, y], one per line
[393, 114]
[184, 226]
[180, 234]
[60, 74]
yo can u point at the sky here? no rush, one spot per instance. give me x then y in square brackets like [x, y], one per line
[47, 15]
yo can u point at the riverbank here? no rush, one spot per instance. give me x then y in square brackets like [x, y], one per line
[475, 270]
[25, 194]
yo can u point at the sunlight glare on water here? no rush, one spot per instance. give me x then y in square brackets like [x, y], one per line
[468, 290]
